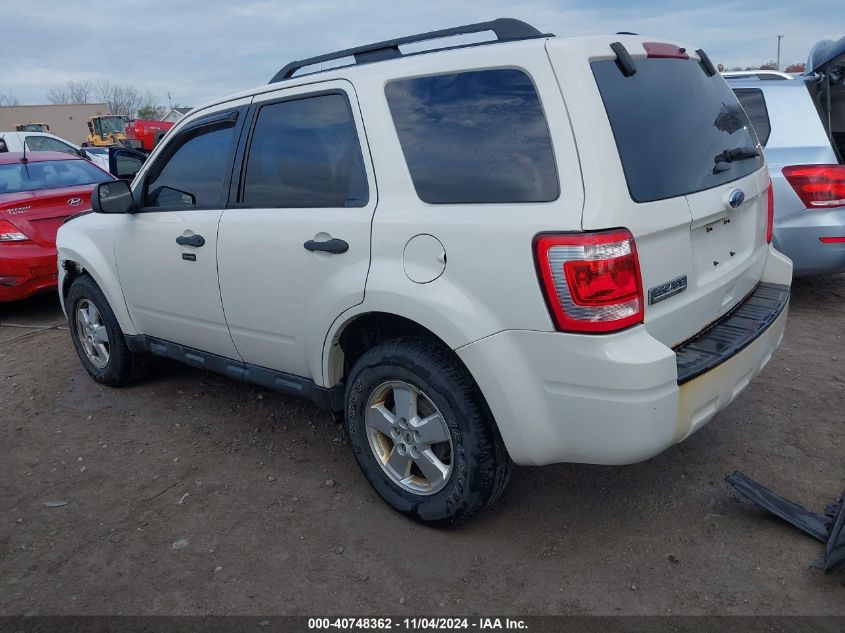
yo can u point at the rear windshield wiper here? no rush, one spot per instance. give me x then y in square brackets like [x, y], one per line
[724, 159]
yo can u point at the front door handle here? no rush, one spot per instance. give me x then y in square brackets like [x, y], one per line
[333, 245]
[190, 240]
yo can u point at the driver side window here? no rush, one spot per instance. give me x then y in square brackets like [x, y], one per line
[193, 173]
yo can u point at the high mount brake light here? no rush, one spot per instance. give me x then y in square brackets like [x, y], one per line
[818, 186]
[591, 281]
[10, 233]
[662, 50]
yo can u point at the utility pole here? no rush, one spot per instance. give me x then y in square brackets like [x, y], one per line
[170, 101]
[777, 67]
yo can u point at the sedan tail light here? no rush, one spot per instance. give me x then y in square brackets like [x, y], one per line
[818, 186]
[591, 281]
[10, 233]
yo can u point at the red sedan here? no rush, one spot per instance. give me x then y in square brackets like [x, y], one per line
[37, 192]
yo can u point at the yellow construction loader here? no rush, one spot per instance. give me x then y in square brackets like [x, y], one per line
[106, 130]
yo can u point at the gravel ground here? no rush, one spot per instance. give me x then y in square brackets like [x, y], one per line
[192, 494]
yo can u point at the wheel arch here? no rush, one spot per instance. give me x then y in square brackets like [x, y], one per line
[354, 334]
[73, 264]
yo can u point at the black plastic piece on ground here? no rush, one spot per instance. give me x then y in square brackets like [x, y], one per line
[709, 68]
[732, 333]
[624, 59]
[835, 550]
[829, 527]
[506, 29]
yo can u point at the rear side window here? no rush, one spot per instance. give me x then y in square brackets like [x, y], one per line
[474, 137]
[305, 153]
[194, 173]
[47, 144]
[754, 104]
[670, 121]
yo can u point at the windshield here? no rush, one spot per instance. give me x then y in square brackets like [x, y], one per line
[673, 124]
[51, 174]
[111, 125]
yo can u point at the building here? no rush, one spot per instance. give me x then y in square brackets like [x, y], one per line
[175, 114]
[68, 120]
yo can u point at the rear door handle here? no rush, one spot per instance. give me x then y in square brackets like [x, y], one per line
[190, 240]
[333, 245]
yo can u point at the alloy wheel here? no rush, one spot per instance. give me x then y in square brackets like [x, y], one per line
[409, 437]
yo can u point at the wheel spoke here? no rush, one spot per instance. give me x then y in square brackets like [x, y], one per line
[434, 470]
[82, 315]
[406, 403]
[92, 317]
[101, 352]
[400, 464]
[100, 334]
[432, 429]
[379, 418]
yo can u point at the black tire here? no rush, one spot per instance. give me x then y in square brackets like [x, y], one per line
[124, 365]
[480, 464]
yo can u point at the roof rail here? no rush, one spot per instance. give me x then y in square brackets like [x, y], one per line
[506, 29]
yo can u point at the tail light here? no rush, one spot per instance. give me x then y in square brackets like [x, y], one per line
[818, 186]
[591, 280]
[10, 233]
[770, 213]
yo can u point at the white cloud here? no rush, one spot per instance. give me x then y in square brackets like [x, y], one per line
[201, 49]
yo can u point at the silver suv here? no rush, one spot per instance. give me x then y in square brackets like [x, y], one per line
[801, 125]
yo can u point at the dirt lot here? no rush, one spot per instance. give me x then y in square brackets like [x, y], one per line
[194, 494]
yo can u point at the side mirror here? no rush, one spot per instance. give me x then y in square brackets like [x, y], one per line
[113, 197]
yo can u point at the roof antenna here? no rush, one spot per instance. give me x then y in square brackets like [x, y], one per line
[24, 160]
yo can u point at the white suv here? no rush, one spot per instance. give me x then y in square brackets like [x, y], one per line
[530, 250]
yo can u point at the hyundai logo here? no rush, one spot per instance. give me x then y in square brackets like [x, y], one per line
[74, 202]
[736, 198]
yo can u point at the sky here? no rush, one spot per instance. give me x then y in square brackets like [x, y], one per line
[198, 50]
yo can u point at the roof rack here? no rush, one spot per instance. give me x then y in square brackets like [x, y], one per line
[506, 30]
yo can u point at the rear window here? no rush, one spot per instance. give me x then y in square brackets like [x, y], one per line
[474, 137]
[754, 104]
[670, 121]
[52, 174]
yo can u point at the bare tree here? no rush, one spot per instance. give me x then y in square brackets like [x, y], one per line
[58, 95]
[8, 99]
[769, 66]
[79, 91]
[71, 92]
[121, 99]
[795, 68]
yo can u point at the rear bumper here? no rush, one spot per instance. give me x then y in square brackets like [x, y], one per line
[25, 270]
[797, 236]
[614, 399]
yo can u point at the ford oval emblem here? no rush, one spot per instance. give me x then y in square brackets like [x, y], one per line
[736, 198]
[74, 202]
